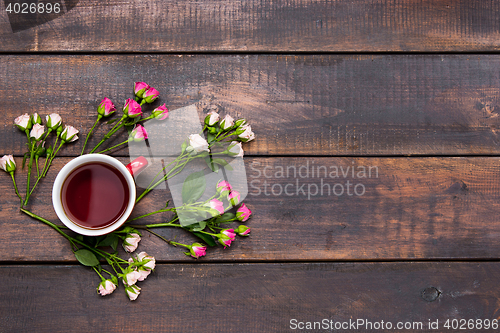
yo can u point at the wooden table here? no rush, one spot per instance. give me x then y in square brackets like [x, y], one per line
[410, 88]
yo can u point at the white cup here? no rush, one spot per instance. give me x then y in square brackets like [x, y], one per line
[134, 168]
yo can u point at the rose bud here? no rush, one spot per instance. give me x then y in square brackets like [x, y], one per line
[198, 143]
[150, 95]
[69, 134]
[130, 276]
[132, 109]
[211, 118]
[240, 122]
[138, 133]
[133, 292]
[147, 261]
[243, 213]
[247, 134]
[223, 187]
[131, 242]
[106, 287]
[226, 237]
[243, 230]
[53, 121]
[235, 149]
[217, 206]
[36, 119]
[160, 113]
[106, 108]
[7, 163]
[40, 148]
[140, 88]
[37, 131]
[24, 122]
[227, 122]
[234, 197]
[197, 250]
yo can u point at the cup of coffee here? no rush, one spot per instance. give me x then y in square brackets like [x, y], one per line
[95, 194]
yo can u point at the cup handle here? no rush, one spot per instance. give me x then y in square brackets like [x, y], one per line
[137, 166]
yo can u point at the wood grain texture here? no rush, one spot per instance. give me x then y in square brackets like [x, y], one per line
[257, 25]
[249, 297]
[415, 208]
[299, 105]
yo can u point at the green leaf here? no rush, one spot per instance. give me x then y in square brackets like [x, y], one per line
[225, 217]
[214, 167]
[206, 238]
[112, 121]
[210, 137]
[201, 226]
[193, 187]
[109, 240]
[24, 159]
[86, 258]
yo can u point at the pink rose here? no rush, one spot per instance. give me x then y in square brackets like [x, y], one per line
[138, 133]
[106, 287]
[161, 112]
[69, 134]
[217, 205]
[198, 143]
[227, 122]
[243, 230]
[7, 163]
[106, 108]
[131, 277]
[53, 121]
[211, 118]
[229, 233]
[197, 250]
[150, 95]
[23, 122]
[37, 131]
[133, 292]
[235, 149]
[234, 197]
[140, 88]
[149, 262]
[132, 109]
[243, 213]
[226, 237]
[223, 187]
[131, 242]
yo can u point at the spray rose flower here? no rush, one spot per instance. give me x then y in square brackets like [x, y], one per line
[235, 149]
[223, 187]
[211, 118]
[247, 134]
[7, 163]
[106, 108]
[132, 109]
[243, 230]
[53, 121]
[198, 143]
[243, 213]
[37, 131]
[37, 119]
[23, 122]
[69, 134]
[197, 250]
[150, 95]
[148, 262]
[140, 88]
[161, 112]
[131, 242]
[217, 205]
[138, 133]
[227, 122]
[226, 237]
[133, 292]
[234, 197]
[130, 276]
[106, 287]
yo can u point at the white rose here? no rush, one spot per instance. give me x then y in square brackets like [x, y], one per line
[37, 131]
[227, 122]
[198, 143]
[211, 118]
[235, 149]
[247, 134]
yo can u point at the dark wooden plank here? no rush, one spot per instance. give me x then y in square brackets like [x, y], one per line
[301, 105]
[250, 297]
[417, 208]
[257, 25]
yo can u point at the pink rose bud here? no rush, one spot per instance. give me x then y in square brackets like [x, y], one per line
[211, 118]
[36, 119]
[133, 292]
[247, 134]
[235, 149]
[23, 122]
[53, 121]
[140, 88]
[132, 109]
[243, 213]
[197, 250]
[197, 143]
[150, 95]
[161, 112]
[223, 187]
[229, 233]
[106, 108]
[131, 242]
[217, 205]
[234, 197]
[243, 230]
[7, 163]
[148, 262]
[226, 237]
[227, 122]
[37, 131]
[106, 287]
[69, 134]
[130, 277]
[138, 134]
